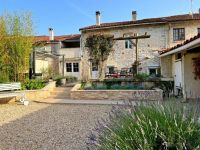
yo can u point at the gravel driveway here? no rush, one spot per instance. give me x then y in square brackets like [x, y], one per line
[49, 127]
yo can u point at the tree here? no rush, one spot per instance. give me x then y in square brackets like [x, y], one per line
[15, 46]
[99, 48]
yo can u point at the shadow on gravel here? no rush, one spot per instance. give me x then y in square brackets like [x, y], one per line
[54, 127]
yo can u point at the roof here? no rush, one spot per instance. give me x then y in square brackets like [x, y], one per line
[180, 45]
[185, 17]
[57, 38]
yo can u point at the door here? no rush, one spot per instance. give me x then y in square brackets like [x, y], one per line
[95, 71]
[178, 74]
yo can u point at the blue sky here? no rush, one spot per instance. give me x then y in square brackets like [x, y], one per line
[67, 16]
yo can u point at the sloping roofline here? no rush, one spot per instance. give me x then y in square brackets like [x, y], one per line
[175, 48]
[44, 38]
[176, 18]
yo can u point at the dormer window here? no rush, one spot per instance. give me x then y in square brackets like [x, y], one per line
[178, 34]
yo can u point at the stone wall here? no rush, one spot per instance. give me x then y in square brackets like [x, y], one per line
[190, 30]
[124, 58]
[32, 95]
[149, 95]
[161, 38]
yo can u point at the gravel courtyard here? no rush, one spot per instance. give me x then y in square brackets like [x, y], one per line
[45, 126]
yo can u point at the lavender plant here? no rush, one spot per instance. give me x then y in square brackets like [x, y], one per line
[167, 126]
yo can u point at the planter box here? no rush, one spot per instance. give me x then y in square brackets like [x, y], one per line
[43, 93]
[145, 95]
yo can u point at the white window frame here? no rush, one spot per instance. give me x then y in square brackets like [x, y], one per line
[72, 66]
[67, 67]
[128, 43]
[75, 67]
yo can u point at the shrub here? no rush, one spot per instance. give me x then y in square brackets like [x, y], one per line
[149, 127]
[83, 84]
[58, 80]
[71, 79]
[33, 84]
[141, 77]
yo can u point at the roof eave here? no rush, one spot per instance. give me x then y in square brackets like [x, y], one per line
[118, 26]
[187, 46]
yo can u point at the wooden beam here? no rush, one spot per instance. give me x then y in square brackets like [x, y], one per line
[133, 37]
[137, 38]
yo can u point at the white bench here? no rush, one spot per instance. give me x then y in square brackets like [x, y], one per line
[12, 90]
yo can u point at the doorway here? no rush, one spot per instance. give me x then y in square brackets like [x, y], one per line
[178, 76]
[95, 71]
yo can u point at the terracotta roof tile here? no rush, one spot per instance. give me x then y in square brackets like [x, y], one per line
[176, 18]
[57, 38]
[179, 45]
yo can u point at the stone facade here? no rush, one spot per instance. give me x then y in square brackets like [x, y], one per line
[140, 95]
[50, 54]
[161, 38]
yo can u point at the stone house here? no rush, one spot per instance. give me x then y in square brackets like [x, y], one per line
[181, 63]
[60, 53]
[165, 32]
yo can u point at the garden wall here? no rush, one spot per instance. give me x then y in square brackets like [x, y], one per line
[32, 95]
[152, 95]
[43, 93]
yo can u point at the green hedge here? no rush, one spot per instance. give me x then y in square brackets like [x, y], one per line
[149, 127]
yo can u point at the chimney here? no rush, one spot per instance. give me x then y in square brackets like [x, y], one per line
[51, 34]
[134, 15]
[98, 17]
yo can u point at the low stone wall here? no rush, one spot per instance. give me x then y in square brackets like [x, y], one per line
[32, 95]
[150, 95]
[43, 93]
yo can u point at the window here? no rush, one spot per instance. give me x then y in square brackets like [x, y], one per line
[128, 44]
[198, 30]
[94, 66]
[75, 67]
[179, 34]
[111, 70]
[178, 56]
[69, 67]
[154, 71]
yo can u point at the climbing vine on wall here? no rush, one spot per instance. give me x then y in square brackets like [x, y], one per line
[196, 65]
[99, 48]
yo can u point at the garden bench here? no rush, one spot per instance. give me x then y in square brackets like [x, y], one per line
[8, 90]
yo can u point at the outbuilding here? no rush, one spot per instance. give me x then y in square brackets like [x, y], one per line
[182, 64]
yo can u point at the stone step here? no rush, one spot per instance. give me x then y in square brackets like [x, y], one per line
[61, 97]
[61, 93]
[61, 90]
